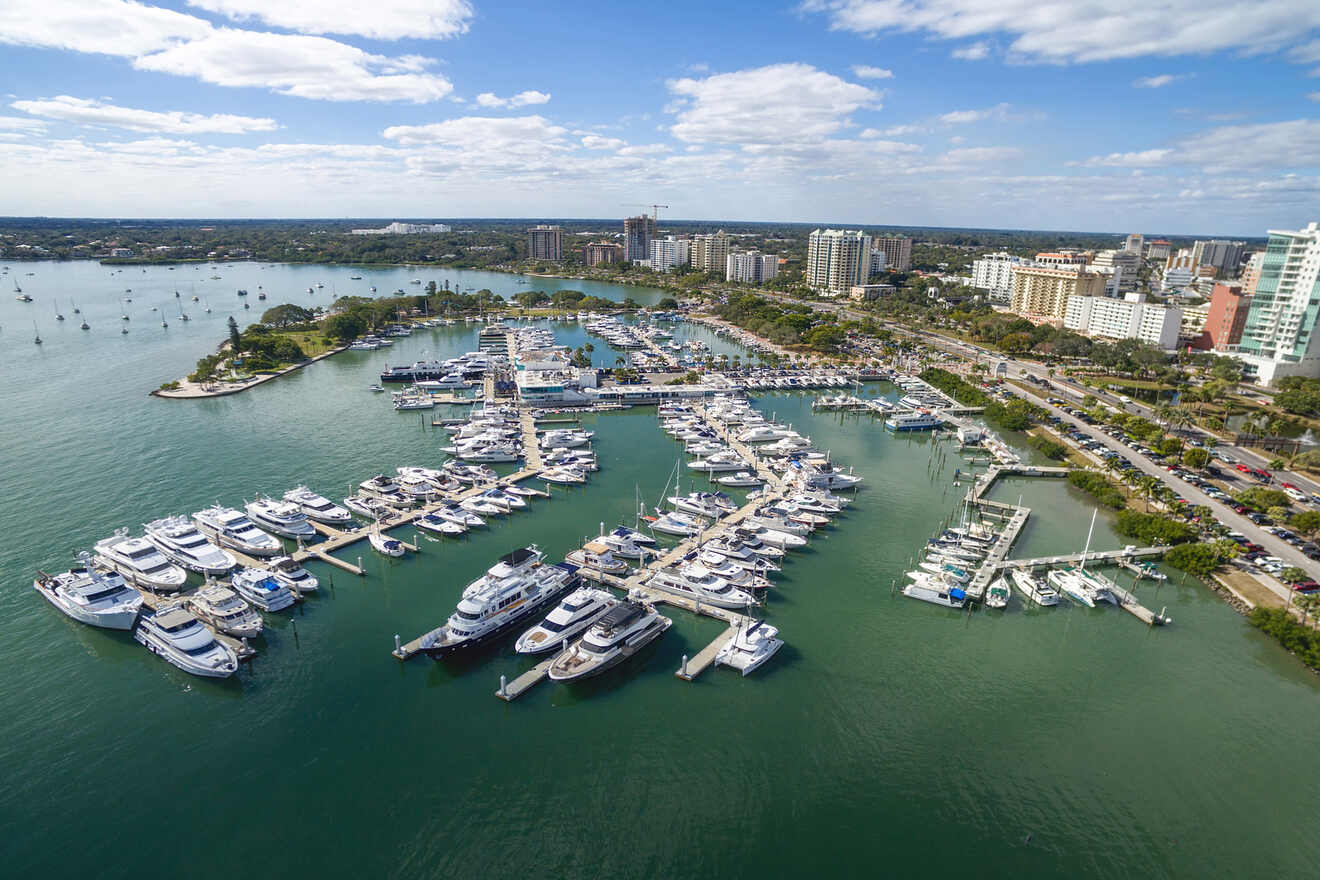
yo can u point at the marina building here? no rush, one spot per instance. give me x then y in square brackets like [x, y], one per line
[397, 228]
[637, 234]
[666, 253]
[993, 273]
[1128, 318]
[1280, 338]
[751, 266]
[602, 252]
[1040, 293]
[710, 253]
[838, 260]
[897, 250]
[545, 243]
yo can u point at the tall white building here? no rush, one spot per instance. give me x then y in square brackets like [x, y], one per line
[710, 253]
[397, 228]
[1281, 336]
[668, 252]
[837, 259]
[993, 273]
[877, 262]
[1134, 243]
[1125, 265]
[1128, 318]
[1177, 277]
[751, 266]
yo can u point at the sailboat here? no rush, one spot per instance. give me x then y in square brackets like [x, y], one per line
[37, 338]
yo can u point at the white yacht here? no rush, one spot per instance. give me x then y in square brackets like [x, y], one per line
[675, 523]
[454, 513]
[754, 540]
[182, 543]
[1065, 581]
[386, 545]
[231, 528]
[438, 525]
[579, 610]
[597, 556]
[929, 588]
[90, 596]
[281, 517]
[998, 593]
[566, 439]
[260, 587]
[178, 637]
[140, 563]
[220, 608]
[482, 506]
[509, 592]
[913, 421]
[708, 504]
[628, 543]
[563, 474]
[740, 479]
[290, 572]
[623, 631]
[720, 462]
[1040, 592]
[750, 646]
[318, 507]
[732, 551]
[695, 583]
[368, 506]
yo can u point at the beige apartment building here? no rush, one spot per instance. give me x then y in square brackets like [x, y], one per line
[1040, 293]
[710, 253]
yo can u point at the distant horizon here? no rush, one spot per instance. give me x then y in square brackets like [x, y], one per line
[127, 221]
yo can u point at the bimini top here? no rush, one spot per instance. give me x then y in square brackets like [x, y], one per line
[518, 557]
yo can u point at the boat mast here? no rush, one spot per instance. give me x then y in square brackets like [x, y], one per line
[1087, 548]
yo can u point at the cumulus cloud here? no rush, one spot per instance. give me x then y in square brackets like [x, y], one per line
[165, 41]
[596, 142]
[84, 111]
[865, 71]
[977, 51]
[1157, 82]
[1293, 144]
[382, 20]
[766, 105]
[1095, 30]
[522, 99]
[20, 124]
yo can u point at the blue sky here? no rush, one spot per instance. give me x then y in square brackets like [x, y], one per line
[1176, 116]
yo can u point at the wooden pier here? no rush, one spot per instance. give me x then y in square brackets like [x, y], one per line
[690, 669]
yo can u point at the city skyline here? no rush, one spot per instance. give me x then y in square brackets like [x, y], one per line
[1174, 118]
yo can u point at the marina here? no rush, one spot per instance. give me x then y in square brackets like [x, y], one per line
[866, 687]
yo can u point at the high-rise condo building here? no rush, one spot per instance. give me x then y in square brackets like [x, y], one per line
[1158, 249]
[751, 266]
[1226, 318]
[637, 234]
[710, 253]
[1040, 293]
[838, 259]
[666, 253]
[993, 273]
[1280, 337]
[1223, 255]
[1128, 318]
[897, 250]
[1124, 263]
[1251, 272]
[1134, 243]
[545, 243]
[602, 252]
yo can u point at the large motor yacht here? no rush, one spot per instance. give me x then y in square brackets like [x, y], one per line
[696, 583]
[231, 528]
[180, 638]
[281, 517]
[623, 631]
[513, 589]
[90, 596]
[140, 563]
[628, 543]
[260, 587]
[579, 610]
[597, 556]
[318, 507]
[182, 543]
[221, 608]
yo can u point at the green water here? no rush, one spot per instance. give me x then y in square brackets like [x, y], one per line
[887, 737]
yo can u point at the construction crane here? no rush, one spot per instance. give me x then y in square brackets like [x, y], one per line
[655, 212]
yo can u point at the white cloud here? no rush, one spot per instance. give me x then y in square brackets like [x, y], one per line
[865, 71]
[1231, 149]
[493, 132]
[19, 124]
[1157, 82]
[381, 20]
[301, 66]
[522, 99]
[108, 27]
[1313, 96]
[977, 51]
[596, 142]
[83, 111]
[164, 41]
[961, 117]
[766, 105]
[644, 149]
[1094, 30]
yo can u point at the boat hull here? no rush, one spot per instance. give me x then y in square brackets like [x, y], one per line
[469, 645]
[628, 650]
[120, 619]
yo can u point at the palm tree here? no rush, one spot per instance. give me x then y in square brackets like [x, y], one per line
[1146, 486]
[1163, 413]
